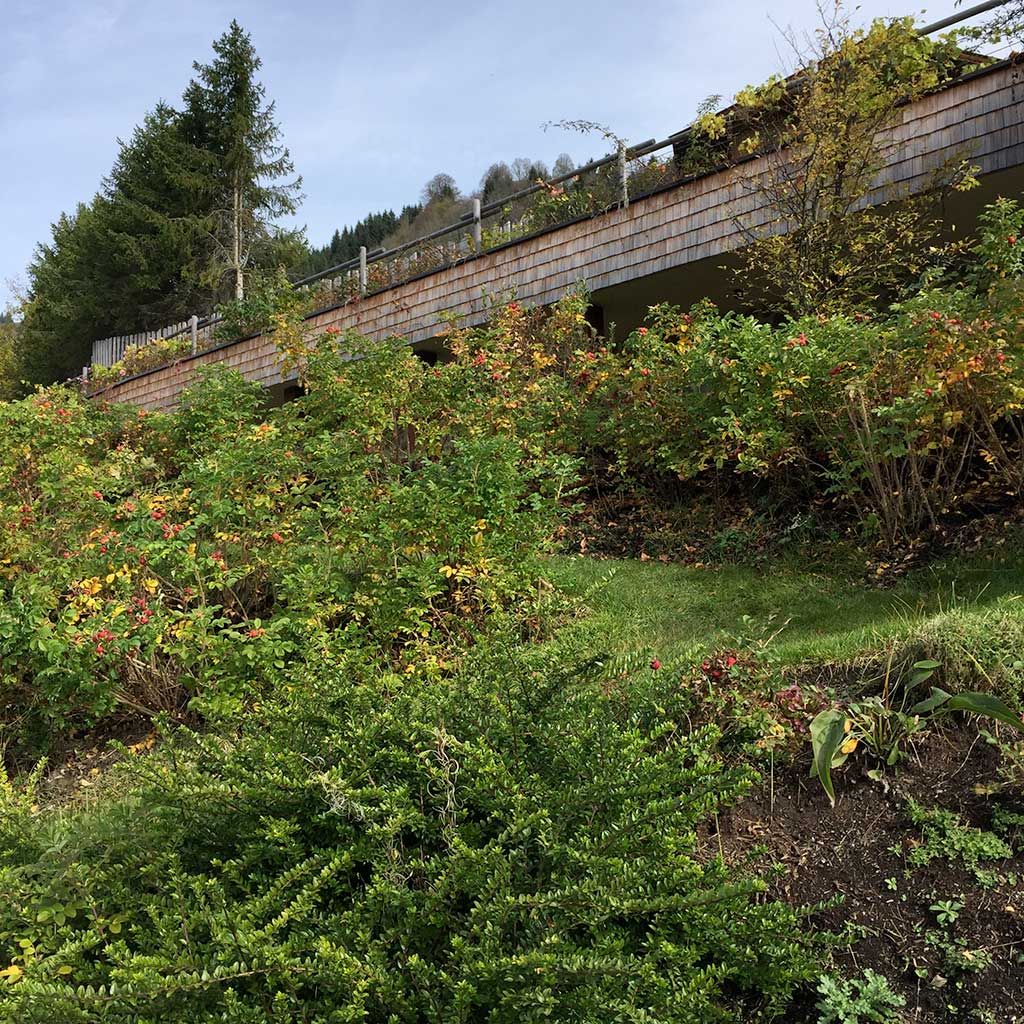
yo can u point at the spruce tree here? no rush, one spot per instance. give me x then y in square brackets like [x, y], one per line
[226, 114]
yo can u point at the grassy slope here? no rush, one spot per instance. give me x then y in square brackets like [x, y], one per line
[827, 615]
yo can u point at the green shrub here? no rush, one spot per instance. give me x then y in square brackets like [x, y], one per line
[904, 416]
[139, 359]
[506, 843]
[151, 558]
[269, 294]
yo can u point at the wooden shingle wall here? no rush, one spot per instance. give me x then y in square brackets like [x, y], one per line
[981, 118]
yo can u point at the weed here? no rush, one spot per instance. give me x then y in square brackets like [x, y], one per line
[857, 1000]
[945, 836]
[946, 911]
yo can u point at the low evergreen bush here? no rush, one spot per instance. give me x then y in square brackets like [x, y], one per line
[508, 844]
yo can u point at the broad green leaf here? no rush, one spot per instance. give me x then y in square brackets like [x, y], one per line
[988, 705]
[923, 671]
[828, 731]
[937, 699]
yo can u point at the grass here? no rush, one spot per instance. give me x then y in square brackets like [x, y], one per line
[825, 615]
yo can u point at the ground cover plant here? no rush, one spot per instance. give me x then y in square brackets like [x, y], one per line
[505, 843]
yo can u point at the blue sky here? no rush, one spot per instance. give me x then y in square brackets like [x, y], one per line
[373, 98]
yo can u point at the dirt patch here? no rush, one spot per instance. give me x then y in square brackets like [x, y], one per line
[77, 766]
[860, 853]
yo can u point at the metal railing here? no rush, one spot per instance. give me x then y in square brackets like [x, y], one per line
[352, 278]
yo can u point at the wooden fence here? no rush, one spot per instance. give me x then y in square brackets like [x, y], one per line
[108, 351]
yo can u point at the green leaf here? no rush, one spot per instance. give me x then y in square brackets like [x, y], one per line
[938, 697]
[828, 730]
[985, 704]
[923, 671]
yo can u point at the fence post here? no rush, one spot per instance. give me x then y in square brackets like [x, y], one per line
[193, 326]
[362, 270]
[478, 228]
[623, 175]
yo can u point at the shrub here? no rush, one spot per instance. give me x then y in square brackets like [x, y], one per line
[150, 558]
[269, 293]
[139, 359]
[504, 844]
[905, 416]
[823, 136]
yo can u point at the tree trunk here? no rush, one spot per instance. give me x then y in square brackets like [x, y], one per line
[236, 240]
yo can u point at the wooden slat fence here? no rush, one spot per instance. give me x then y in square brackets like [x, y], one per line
[108, 351]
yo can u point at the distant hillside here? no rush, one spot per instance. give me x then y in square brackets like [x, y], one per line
[441, 202]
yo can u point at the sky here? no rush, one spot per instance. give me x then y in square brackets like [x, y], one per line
[373, 98]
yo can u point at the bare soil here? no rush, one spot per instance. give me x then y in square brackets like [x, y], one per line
[855, 856]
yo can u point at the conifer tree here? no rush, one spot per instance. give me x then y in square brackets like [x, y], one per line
[226, 114]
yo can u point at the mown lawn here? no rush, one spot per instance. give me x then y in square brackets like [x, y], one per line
[822, 615]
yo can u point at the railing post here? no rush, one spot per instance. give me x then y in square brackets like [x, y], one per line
[478, 228]
[623, 175]
[363, 280]
[193, 326]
